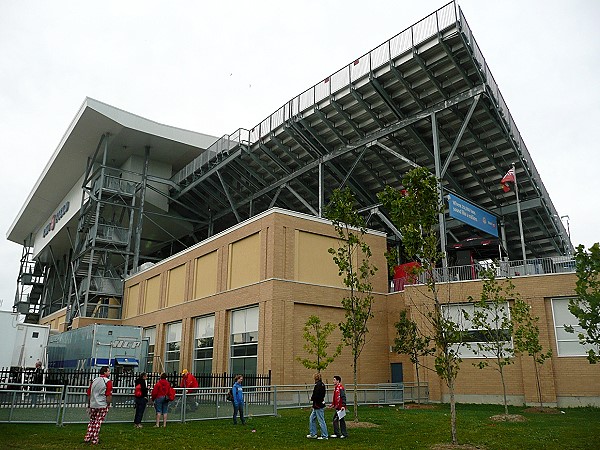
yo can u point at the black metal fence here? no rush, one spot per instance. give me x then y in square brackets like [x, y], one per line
[121, 378]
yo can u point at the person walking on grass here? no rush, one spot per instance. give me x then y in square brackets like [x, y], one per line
[339, 403]
[238, 399]
[99, 395]
[160, 397]
[317, 413]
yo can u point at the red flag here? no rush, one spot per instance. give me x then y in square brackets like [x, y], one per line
[509, 177]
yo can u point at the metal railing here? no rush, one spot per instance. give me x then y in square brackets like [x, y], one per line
[298, 396]
[401, 44]
[218, 149]
[67, 404]
[517, 268]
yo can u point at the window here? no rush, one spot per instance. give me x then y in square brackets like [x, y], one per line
[203, 344]
[472, 336]
[173, 346]
[244, 341]
[567, 343]
[150, 336]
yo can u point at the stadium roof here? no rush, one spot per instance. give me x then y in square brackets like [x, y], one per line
[130, 134]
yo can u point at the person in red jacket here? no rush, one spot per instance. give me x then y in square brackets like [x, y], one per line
[189, 381]
[339, 403]
[160, 397]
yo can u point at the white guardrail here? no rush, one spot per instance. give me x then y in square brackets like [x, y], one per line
[60, 405]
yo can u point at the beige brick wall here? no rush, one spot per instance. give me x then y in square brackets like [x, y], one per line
[560, 377]
[286, 303]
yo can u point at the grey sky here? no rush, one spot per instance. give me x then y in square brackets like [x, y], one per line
[214, 67]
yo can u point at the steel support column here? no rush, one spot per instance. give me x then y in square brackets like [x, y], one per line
[321, 189]
[138, 230]
[438, 172]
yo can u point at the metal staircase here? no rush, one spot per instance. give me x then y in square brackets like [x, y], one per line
[30, 286]
[103, 244]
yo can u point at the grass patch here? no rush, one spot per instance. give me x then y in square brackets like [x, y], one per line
[576, 428]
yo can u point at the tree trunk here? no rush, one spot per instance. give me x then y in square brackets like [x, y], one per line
[418, 384]
[452, 412]
[537, 381]
[504, 391]
[355, 391]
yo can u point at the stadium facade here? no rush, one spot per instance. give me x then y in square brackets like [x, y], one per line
[187, 235]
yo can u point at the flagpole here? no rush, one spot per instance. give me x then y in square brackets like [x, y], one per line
[520, 220]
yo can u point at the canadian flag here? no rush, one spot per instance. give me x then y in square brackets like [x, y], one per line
[508, 178]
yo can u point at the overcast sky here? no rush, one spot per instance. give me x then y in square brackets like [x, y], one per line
[214, 67]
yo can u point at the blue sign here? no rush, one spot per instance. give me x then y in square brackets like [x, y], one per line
[472, 215]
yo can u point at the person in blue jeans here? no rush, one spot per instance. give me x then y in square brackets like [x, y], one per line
[318, 411]
[238, 399]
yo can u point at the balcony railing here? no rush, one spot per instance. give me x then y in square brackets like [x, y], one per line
[475, 271]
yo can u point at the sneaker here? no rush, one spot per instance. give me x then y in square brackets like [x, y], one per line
[311, 436]
[343, 437]
[334, 436]
[324, 438]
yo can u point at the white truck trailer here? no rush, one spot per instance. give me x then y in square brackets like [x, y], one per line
[23, 344]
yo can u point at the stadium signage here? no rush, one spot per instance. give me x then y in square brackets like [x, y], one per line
[472, 215]
[55, 218]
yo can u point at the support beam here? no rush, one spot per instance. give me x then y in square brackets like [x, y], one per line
[396, 154]
[321, 189]
[441, 215]
[299, 197]
[460, 135]
[228, 195]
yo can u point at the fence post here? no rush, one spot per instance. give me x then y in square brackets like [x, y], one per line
[61, 407]
[183, 404]
[275, 400]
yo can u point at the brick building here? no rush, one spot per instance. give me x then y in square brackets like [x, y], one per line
[238, 302]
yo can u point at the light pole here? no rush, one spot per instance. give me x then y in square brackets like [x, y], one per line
[568, 229]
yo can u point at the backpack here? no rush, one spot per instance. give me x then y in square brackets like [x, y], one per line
[138, 390]
[229, 395]
[171, 394]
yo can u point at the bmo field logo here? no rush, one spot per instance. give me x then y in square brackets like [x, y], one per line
[55, 218]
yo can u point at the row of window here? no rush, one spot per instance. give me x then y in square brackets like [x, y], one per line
[244, 337]
[567, 343]
[243, 343]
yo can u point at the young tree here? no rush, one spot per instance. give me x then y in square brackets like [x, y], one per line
[415, 211]
[586, 307]
[315, 335]
[491, 318]
[409, 341]
[353, 260]
[526, 338]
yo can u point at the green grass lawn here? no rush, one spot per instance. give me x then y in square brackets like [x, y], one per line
[395, 429]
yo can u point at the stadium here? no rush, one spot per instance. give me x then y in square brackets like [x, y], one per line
[217, 246]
